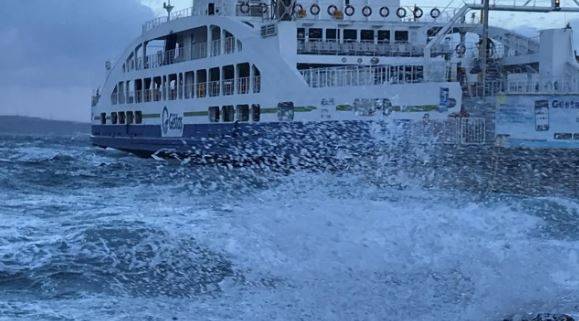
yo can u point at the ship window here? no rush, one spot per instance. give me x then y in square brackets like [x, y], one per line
[576, 136]
[115, 95]
[122, 118]
[332, 34]
[138, 117]
[418, 73]
[243, 113]
[285, 111]
[563, 136]
[350, 34]
[401, 36]
[256, 113]
[367, 35]
[384, 36]
[315, 33]
[114, 118]
[214, 114]
[130, 117]
[301, 33]
[103, 118]
[228, 114]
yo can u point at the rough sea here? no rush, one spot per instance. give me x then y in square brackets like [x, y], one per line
[90, 234]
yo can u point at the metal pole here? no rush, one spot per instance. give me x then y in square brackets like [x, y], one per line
[484, 44]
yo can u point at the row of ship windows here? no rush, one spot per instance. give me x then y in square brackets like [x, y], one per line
[123, 118]
[228, 80]
[230, 113]
[197, 43]
[226, 114]
[566, 136]
[350, 35]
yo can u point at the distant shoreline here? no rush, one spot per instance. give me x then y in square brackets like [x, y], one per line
[35, 125]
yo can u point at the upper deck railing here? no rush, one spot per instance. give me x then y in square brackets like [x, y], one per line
[366, 48]
[351, 76]
[152, 24]
[196, 51]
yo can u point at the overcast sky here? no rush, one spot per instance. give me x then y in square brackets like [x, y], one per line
[53, 51]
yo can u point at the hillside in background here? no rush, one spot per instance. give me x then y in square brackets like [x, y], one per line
[30, 125]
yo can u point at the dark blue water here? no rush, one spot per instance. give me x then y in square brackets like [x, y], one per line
[87, 234]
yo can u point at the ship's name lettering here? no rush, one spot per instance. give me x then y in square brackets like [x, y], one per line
[175, 121]
[565, 104]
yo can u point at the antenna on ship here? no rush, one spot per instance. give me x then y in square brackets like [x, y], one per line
[169, 8]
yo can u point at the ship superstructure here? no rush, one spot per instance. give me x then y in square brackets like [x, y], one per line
[281, 77]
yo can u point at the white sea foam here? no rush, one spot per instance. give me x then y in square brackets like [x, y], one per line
[301, 247]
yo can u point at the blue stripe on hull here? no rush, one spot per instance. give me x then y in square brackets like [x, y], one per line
[260, 140]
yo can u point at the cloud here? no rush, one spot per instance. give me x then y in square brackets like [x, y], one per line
[55, 50]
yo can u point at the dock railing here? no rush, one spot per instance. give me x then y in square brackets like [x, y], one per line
[526, 87]
[452, 131]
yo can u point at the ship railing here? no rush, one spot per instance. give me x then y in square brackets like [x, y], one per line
[243, 85]
[114, 98]
[147, 95]
[156, 94]
[121, 98]
[365, 48]
[172, 93]
[215, 48]
[189, 91]
[347, 76]
[162, 58]
[201, 90]
[256, 84]
[176, 15]
[228, 87]
[229, 45]
[199, 50]
[154, 23]
[464, 131]
[173, 56]
[130, 98]
[451, 131]
[138, 96]
[535, 87]
[257, 10]
[214, 88]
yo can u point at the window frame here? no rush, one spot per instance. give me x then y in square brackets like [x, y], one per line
[398, 39]
[130, 117]
[214, 114]
[228, 114]
[242, 113]
[122, 118]
[138, 117]
[255, 113]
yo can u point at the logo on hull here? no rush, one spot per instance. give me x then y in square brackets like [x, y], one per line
[171, 124]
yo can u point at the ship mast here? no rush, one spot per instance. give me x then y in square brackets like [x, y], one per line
[169, 8]
[484, 43]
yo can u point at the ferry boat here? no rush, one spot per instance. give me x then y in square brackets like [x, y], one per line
[319, 78]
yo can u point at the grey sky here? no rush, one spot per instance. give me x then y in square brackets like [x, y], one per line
[53, 51]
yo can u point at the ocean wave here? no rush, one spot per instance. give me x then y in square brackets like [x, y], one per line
[88, 234]
[115, 259]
